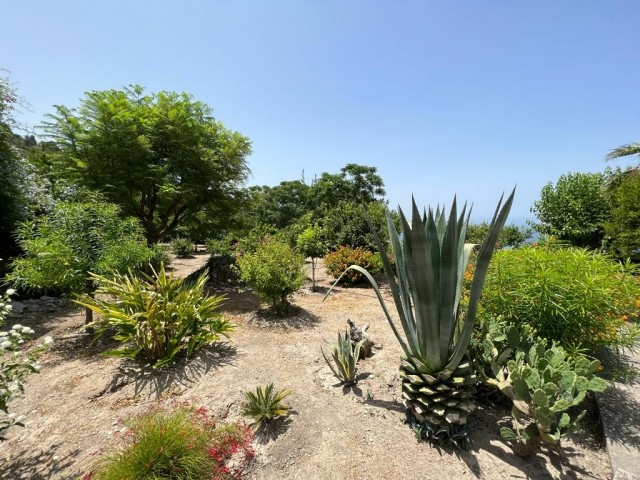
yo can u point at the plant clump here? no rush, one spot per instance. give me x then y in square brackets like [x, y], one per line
[344, 357]
[181, 443]
[182, 247]
[275, 271]
[158, 317]
[343, 257]
[578, 298]
[265, 405]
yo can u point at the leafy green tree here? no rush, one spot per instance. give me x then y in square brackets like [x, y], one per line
[623, 229]
[355, 183]
[74, 239]
[161, 157]
[348, 224]
[575, 209]
[311, 243]
[282, 205]
[510, 236]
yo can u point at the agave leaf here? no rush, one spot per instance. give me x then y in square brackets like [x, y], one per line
[482, 265]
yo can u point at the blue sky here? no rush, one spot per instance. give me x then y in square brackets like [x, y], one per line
[461, 97]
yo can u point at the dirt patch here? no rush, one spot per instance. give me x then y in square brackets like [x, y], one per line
[75, 406]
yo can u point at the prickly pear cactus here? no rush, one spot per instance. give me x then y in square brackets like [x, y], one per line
[543, 384]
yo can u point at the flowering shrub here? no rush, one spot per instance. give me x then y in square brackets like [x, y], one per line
[14, 371]
[181, 443]
[337, 262]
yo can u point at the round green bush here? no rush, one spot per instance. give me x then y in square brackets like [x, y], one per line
[337, 262]
[275, 271]
[576, 297]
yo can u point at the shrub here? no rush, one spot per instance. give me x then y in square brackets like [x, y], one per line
[575, 297]
[182, 247]
[223, 246]
[180, 443]
[274, 271]
[264, 405]
[311, 244]
[345, 356]
[157, 317]
[337, 262]
[15, 369]
[623, 228]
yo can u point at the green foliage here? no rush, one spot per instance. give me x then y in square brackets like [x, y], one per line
[77, 238]
[353, 224]
[274, 270]
[339, 261]
[510, 236]
[344, 356]
[221, 247]
[265, 405]
[311, 243]
[544, 383]
[575, 209]
[181, 444]
[15, 368]
[162, 157]
[182, 247]
[623, 229]
[156, 318]
[575, 297]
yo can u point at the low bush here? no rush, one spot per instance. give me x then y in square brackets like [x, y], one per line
[578, 298]
[221, 246]
[274, 270]
[337, 262]
[158, 317]
[182, 247]
[179, 443]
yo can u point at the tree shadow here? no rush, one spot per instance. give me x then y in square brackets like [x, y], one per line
[185, 372]
[296, 318]
[620, 409]
[391, 405]
[240, 301]
[40, 465]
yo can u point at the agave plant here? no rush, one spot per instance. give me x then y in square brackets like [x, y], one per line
[344, 355]
[265, 405]
[431, 257]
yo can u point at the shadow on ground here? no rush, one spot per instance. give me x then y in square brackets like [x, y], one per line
[159, 382]
[37, 465]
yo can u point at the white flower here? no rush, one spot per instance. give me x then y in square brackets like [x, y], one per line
[8, 308]
[6, 344]
[27, 330]
[20, 342]
[48, 340]
[10, 292]
[17, 326]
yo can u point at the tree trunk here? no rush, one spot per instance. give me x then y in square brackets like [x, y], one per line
[313, 274]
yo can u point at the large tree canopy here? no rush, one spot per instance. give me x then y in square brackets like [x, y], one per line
[575, 209]
[162, 157]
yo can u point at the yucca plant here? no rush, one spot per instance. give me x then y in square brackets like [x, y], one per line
[430, 261]
[344, 357]
[265, 405]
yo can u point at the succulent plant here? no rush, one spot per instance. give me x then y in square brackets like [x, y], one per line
[430, 261]
[265, 405]
[344, 356]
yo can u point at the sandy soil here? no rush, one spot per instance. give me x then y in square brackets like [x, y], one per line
[75, 406]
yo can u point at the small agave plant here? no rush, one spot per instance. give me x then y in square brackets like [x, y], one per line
[430, 260]
[344, 357]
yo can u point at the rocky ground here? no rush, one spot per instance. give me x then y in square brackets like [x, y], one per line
[74, 408]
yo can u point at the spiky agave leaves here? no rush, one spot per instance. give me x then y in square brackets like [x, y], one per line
[264, 405]
[344, 357]
[426, 285]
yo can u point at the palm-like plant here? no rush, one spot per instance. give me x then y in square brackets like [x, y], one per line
[265, 405]
[431, 258]
[624, 151]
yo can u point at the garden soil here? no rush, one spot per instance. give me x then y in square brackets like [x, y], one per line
[74, 409]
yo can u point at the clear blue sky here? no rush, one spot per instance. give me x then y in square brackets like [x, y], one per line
[461, 97]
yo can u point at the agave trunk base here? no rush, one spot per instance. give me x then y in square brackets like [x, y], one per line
[441, 401]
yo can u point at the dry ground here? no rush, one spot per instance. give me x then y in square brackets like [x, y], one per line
[75, 406]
